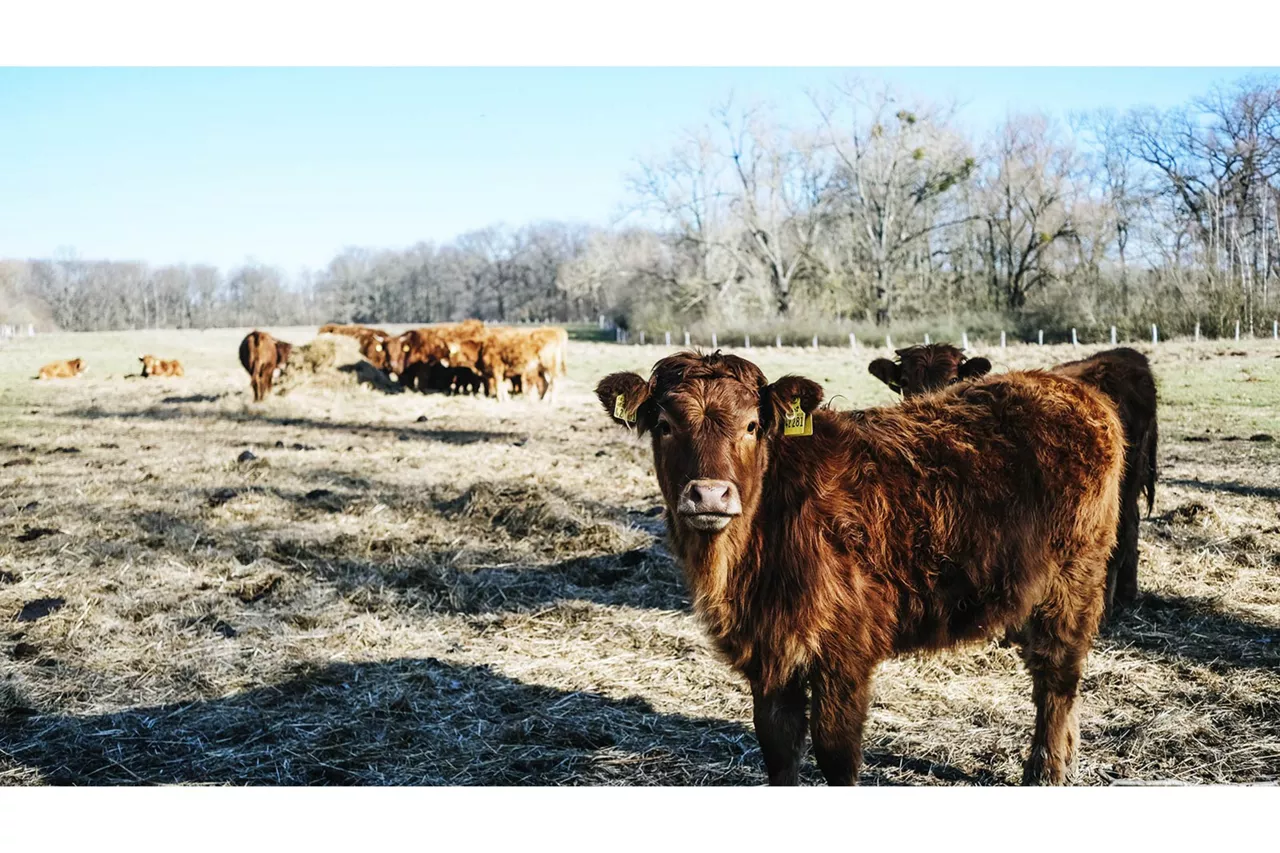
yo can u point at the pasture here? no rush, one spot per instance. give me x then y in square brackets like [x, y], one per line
[398, 588]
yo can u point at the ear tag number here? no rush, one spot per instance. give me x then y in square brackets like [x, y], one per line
[795, 421]
[620, 410]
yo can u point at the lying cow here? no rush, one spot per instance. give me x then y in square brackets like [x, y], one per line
[263, 357]
[818, 543]
[152, 366]
[1123, 374]
[63, 369]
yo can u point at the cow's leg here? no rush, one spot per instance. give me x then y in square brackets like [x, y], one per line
[839, 710]
[780, 726]
[1126, 552]
[1055, 644]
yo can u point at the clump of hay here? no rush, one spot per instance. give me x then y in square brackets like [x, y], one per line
[331, 363]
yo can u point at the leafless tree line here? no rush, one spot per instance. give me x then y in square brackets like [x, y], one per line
[876, 208]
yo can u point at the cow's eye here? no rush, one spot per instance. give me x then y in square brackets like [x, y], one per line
[751, 428]
[664, 429]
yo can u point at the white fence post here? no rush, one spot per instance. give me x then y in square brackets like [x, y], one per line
[1075, 342]
[1001, 339]
[964, 341]
[602, 324]
[1155, 334]
[686, 337]
[815, 341]
[777, 341]
[1113, 335]
[1041, 336]
[746, 341]
[31, 330]
[715, 342]
[926, 339]
[1275, 330]
[1197, 331]
[641, 337]
[1237, 330]
[668, 334]
[888, 342]
[853, 342]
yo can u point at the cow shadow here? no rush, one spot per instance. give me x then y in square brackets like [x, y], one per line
[366, 374]
[1230, 487]
[407, 721]
[1194, 629]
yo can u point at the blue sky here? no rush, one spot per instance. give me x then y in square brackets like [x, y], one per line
[287, 166]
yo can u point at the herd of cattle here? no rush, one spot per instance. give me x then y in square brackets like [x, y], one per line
[817, 543]
[466, 357]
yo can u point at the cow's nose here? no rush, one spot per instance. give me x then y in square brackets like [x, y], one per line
[710, 496]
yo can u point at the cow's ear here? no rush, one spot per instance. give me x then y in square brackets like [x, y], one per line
[622, 395]
[780, 399]
[974, 367]
[888, 372]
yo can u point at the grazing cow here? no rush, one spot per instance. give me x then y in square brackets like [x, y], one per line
[818, 543]
[63, 369]
[1123, 374]
[152, 366]
[376, 350]
[352, 330]
[533, 357]
[263, 357]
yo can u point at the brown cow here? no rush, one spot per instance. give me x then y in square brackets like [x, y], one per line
[352, 330]
[818, 543]
[1123, 374]
[263, 357]
[533, 357]
[63, 369]
[152, 366]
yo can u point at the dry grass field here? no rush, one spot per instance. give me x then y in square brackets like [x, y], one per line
[418, 589]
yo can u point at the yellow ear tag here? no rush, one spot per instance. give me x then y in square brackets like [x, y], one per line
[796, 422]
[453, 348]
[620, 410]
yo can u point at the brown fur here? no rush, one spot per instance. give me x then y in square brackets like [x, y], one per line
[533, 357]
[262, 356]
[1124, 375]
[63, 369]
[910, 528]
[352, 330]
[152, 366]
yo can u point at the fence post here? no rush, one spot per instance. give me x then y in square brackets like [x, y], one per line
[746, 341]
[1002, 339]
[926, 339]
[1237, 330]
[815, 341]
[964, 341]
[686, 338]
[1275, 330]
[31, 330]
[715, 342]
[1155, 334]
[617, 335]
[1041, 336]
[642, 337]
[888, 342]
[602, 321]
[1075, 342]
[1197, 331]
[668, 334]
[1113, 335]
[853, 342]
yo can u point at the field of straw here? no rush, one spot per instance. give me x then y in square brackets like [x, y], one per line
[398, 588]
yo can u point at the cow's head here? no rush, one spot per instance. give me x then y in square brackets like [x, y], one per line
[283, 351]
[148, 364]
[78, 365]
[713, 420]
[376, 350]
[926, 368]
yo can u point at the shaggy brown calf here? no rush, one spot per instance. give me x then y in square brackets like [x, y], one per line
[63, 369]
[263, 357]
[818, 543]
[1123, 374]
[152, 366]
[532, 357]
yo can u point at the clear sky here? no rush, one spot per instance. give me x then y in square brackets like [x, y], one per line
[288, 166]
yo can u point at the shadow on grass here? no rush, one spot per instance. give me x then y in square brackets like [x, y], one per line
[1229, 487]
[406, 432]
[1194, 629]
[406, 722]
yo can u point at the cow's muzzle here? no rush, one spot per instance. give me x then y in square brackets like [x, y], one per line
[709, 505]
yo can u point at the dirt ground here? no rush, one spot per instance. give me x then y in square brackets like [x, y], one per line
[418, 589]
